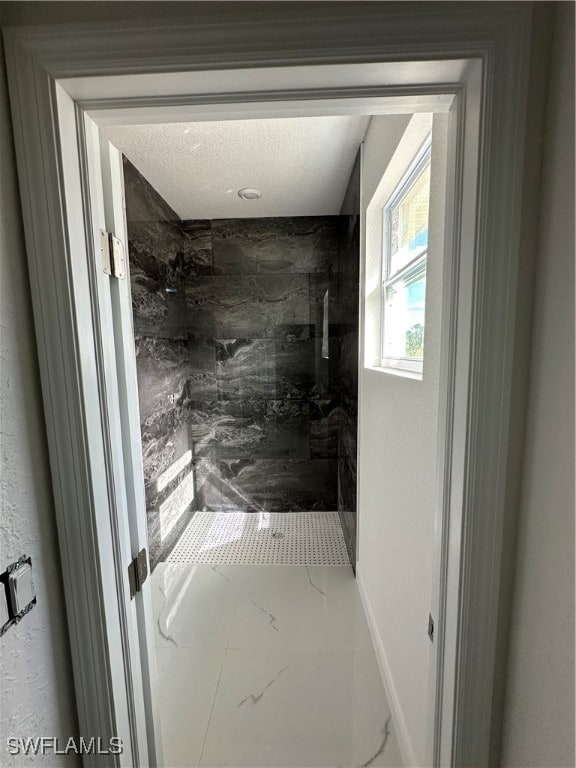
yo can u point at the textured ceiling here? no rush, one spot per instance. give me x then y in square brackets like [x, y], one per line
[301, 165]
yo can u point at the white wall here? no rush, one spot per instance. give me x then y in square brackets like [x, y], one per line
[397, 479]
[36, 694]
[538, 726]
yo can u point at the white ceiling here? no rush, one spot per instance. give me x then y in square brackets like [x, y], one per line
[301, 165]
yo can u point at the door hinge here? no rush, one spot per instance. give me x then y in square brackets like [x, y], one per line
[137, 572]
[430, 627]
[113, 255]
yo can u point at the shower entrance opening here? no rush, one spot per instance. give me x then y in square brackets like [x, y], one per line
[246, 319]
[246, 333]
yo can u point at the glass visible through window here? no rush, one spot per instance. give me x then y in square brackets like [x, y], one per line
[409, 223]
[404, 267]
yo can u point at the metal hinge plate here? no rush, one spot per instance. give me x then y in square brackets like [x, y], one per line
[105, 252]
[113, 255]
[137, 572]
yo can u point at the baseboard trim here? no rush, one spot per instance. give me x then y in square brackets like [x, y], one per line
[400, 728]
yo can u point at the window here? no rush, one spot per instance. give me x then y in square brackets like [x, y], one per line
[405, 254]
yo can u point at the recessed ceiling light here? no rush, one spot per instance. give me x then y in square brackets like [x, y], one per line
[249, 194]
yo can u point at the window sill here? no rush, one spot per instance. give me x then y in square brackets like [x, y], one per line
[401, 373]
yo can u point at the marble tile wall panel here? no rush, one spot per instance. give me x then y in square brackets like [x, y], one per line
[290, 332]
[351, 202]
[295, 369]
[255, 485]
[175, 504]
[263, 429]
[251, 427]
[334, 344]
[324, 309]
[347, 452]
[173, 371]
[155, 247]
[162, 255]
[274, 245]
[320, 310]
[161, 544]
[246, 306]
[348, 300]
[163, 368]
[154, 541]
[202, 417]
[345, 376]
[142, 200]
[229, 319]
[347, 380]
[349, 238]
[201, 383]
[318, 285]
[245, 368]
[196, 248]
[208, 486]
[170, 251]
[324, 425]
[348, 523]
[322, 370]
[165, 439]
[156, 310]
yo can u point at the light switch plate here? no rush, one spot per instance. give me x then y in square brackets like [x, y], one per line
[21, 587]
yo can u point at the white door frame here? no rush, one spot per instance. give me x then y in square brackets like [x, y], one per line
[58, 73]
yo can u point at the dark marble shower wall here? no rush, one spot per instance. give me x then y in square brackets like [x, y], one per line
[245, 358]
[346, 384]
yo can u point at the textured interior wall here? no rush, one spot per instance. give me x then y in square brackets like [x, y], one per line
[242, 361]
[397, 476]
[36, 689]
[538, 727]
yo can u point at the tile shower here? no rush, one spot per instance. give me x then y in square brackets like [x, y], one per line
[246, 336]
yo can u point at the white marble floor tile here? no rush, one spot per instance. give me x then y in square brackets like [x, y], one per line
[194, 606]
[299, 683]
[296, 709]
[188, 679]
[308, 608]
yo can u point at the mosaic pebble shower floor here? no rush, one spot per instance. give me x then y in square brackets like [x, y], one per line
[262, 538]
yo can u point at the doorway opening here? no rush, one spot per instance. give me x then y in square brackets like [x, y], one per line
[246, 334]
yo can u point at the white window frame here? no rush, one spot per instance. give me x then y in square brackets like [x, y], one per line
[415, 265]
